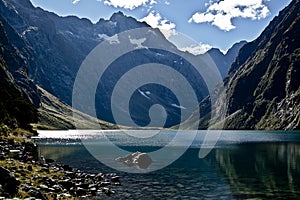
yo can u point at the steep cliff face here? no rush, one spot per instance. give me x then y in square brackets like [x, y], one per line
[18, 92]
[263, 84]
[264, 87]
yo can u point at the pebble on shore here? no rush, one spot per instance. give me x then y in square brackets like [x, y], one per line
[24, 175]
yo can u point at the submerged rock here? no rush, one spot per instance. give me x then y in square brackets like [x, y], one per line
[137, 159]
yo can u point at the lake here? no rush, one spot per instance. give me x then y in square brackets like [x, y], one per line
[241, 165]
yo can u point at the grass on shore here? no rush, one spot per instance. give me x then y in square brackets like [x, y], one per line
[31, 175]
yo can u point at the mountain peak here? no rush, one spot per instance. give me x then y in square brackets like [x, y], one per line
[214, 51]
[234, 50]
[117, 16]
[224, 61]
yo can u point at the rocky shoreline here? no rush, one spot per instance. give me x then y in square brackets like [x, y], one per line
[23, 175]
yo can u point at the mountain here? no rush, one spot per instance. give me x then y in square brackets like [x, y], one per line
[21, 101]
[266, 77]
[224, 61]
[60, 44]
[19, 95]
[54, 114]
[262, 87]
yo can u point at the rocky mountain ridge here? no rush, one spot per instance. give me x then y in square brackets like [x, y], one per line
[263, 84]
[265, 88]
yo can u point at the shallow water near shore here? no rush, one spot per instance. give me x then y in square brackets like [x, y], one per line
[242, 164]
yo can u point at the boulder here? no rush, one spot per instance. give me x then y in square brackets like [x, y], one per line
[137, 159]
[9, 183]
[115, 179]
[37, 194]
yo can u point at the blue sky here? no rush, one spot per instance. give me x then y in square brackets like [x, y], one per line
[212, 23]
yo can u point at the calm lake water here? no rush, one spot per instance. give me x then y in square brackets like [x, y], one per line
[242, 164]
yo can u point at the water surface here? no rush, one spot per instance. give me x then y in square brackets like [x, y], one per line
[242, 165]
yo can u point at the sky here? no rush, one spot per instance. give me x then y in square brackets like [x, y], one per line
[211, 23]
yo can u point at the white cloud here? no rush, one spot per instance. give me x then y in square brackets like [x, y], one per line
[167, 2]
[197, 49]
[129, 4]
[220, 14]
[75, 1]
[155, 20]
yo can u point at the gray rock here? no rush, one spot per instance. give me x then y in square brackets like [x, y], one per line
[115, 179]
[117, 184]
[81, 191]
[107, 191]
[92, 185]
[137, 159]
[9, 183]
[29, 168]
[37, 194]
[67, 184]
[82, 185]
[93, 191]
[64, 195]
[43, 187]
[57, 188]
[103, 184]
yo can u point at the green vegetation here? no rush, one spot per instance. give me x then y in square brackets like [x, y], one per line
[54, 114]
[29, 174]
[16, 111]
